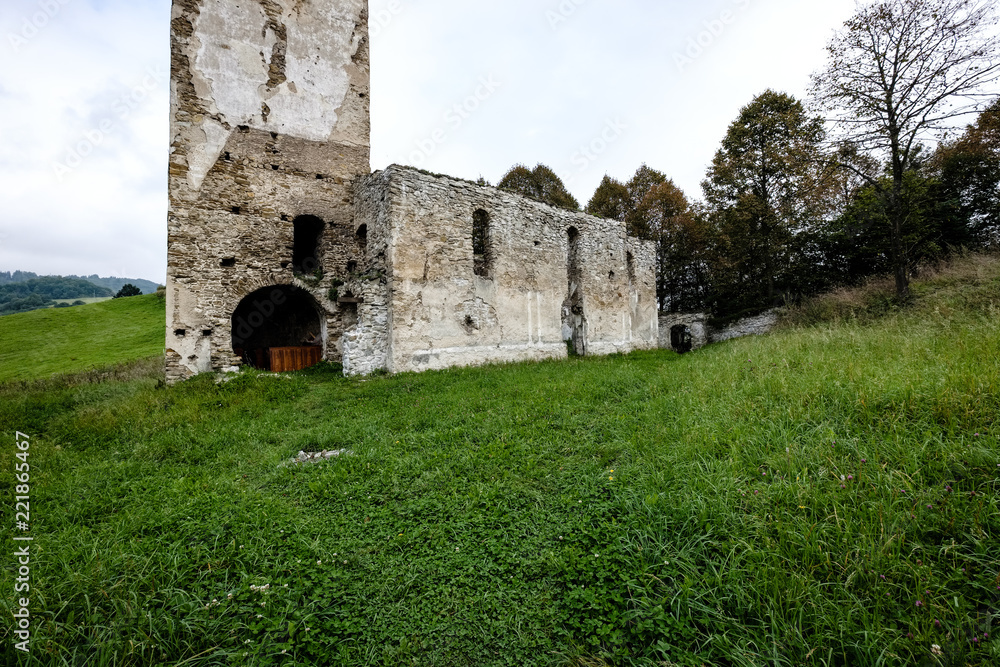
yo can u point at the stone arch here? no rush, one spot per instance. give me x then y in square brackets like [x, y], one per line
[278, 316]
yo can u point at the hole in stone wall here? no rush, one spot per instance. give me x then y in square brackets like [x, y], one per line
[482, 247]
[280, 317]
[274, 167]
[206, 332]
[573, 308]
[320, 177]
[611, 275]
[362, 235]
[236, 210]
[245, 129]
[274, 135]
[228, 262]
[305, 255]
[284, 217]
[630, 266]
[352, 267]
[180, 333]
[227, 156]
[680, 338]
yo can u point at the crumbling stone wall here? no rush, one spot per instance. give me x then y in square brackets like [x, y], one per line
[270, 130]
[697, 324]
[440, 313]
[269, 122]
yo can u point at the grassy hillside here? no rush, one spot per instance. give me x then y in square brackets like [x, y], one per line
[828, 495]
[41, 343]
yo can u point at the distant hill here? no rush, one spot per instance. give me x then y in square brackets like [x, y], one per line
[69, 340]
[40, 292]
[112, 283]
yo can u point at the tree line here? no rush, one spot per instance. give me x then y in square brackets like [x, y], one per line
[860, 179]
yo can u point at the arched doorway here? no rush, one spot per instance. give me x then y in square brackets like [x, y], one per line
[278, 328]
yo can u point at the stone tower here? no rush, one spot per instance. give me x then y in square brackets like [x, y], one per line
[269, 131]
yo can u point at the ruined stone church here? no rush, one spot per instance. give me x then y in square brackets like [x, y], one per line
[285, 250]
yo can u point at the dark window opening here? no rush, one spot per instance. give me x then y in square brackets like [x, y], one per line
[245, 129]
[206, 332]
[680, 338]
[352, 267]
[305, 251]
[236, 210]
[482, 246]
[574, 318]
[362, 235]
[228, 262]
[180, 333]
[320, 177]
[274, 167]
[278, 328]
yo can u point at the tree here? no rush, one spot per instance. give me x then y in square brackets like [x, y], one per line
[644, 181]
[128, 289]
[611, 200]
[766, 185]
[541, 183]
[681, 244]
[969, 171]
[899, 71]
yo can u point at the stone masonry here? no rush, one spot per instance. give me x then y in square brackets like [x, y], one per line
[279, 235]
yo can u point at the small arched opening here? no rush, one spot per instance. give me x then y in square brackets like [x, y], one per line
[305, 248]
[680, 338]
[278, 328]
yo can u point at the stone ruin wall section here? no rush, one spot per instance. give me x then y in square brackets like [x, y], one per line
[269, 121]
[443, 314]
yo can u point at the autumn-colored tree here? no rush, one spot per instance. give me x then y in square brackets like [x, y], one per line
[611, 200]
[898, 72]
[540, 183]
[766, 185]
[681, 248]
[969, 171]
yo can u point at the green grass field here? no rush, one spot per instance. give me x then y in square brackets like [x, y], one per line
[42, 343]
[826, 495]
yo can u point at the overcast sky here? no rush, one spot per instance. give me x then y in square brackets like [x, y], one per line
[461, 87]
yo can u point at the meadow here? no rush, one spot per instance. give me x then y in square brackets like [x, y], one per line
[825, 495]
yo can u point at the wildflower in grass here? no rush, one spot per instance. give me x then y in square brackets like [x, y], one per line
[937, 623]
[850, 478]
[920, 603]
[936, 650]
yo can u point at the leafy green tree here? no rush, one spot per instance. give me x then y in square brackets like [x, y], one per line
[899, 71]
[766, 185]
[540, 183]
[128, 290]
